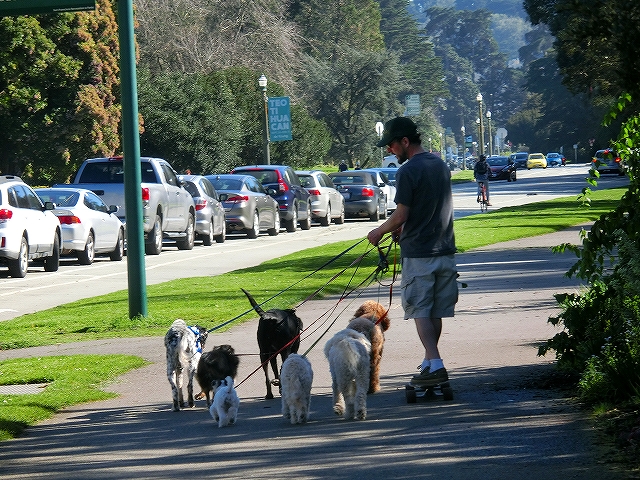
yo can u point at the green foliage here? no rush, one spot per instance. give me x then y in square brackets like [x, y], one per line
[70, 380]
[59, 92]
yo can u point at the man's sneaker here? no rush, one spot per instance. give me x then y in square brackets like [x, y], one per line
[430, 379]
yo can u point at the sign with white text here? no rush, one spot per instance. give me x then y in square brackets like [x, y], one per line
[412, 104]
[30, 7]
[279, 119]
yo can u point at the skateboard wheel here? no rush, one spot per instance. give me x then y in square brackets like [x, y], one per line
[410, 394]
[447, 393]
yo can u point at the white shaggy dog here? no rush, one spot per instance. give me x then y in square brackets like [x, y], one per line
[224, 408]
[296, 377]
[348, 354]
[184, 346]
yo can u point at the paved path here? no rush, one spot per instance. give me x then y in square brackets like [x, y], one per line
[501, 424]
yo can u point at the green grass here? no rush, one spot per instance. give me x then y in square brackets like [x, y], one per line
[70, 380]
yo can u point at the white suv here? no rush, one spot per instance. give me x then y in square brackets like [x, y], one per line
[28, 228]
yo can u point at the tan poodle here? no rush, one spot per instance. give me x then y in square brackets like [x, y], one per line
[371, 320]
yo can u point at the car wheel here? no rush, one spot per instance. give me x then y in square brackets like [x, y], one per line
[86, 256]
[340, 220]
[326, 220]
[154, 247]
[118, 252]
[186, 243]
[275, 230]
[223, 233]
[52, 263]
[18, 267]
[374, 217]
[254, 231]
[292, 225]
[306, 224]
[207, 240]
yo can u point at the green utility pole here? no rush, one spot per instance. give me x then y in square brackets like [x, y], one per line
[132, 178]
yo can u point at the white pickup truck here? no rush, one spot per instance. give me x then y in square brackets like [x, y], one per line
[168, 209]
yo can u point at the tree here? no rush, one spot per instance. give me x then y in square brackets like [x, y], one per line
[59, 92]
[349, 94]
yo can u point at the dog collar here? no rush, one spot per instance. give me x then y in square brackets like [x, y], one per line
[196, 332]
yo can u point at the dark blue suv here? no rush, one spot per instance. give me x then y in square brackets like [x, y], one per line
[284, 186]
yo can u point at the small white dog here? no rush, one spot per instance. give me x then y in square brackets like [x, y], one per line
[224, 408]
[348, 354]
[296, 378]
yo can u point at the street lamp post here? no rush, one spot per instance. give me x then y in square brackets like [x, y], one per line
[380, 131]
[442, 149]
[430, 145]
[262, 82]
[490, 138]
[480, 124]
[464, 144]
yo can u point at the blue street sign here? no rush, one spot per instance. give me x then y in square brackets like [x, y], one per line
[279, 119]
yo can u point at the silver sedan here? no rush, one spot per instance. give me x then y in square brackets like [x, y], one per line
[88, 226]
[248, 206]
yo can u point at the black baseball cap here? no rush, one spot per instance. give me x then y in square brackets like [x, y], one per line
[398, 127]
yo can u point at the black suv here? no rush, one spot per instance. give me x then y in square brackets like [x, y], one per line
[519, 159]
[284, 186]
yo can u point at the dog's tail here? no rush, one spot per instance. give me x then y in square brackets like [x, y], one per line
[254, 304]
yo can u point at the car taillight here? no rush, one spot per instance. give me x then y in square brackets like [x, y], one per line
[314, 192]
[368, 192]
[201, 204]
[6, 214]
[617, 159]
[238, 198]
[282, 186]
[145, 194]
[68, 219]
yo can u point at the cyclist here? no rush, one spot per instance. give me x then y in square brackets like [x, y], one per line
[481, 172]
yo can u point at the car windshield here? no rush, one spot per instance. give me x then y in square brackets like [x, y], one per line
[225, 183]
[61, 198]
[306, 180]
[265, 177]
[497, 161]
[352, 180]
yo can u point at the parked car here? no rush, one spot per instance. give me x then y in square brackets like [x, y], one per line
[536, 160]
[210, 217]
[284, 185]
[88, 226]
[556, 159]
[390, 161]
[247, 205]
[608, 161]
[387, 187]
[362, 196]
[502, 168]
[29, 230]
[519, 159]
[326, 202]
[390, 173]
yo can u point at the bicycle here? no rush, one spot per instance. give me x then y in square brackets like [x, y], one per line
[482, 197]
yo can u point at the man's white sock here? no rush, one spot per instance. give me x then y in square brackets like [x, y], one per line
[436, 364]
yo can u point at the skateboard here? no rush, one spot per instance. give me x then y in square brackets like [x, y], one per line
[413, 392]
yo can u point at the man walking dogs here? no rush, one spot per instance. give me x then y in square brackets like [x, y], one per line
[423, 222]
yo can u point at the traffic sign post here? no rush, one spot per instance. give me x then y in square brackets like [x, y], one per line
[30, 7]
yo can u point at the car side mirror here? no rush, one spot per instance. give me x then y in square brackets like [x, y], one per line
[113, 209]
[272, 192]
[49, 206]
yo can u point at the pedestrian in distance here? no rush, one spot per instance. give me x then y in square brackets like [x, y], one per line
[423, 223]
[343, 166]
[481, 172]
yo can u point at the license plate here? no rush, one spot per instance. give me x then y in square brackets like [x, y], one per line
[346, 195]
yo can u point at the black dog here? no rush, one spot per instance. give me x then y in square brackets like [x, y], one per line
[221, 362]
[276, 329]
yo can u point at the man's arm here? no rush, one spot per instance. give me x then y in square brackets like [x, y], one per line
[393, 223]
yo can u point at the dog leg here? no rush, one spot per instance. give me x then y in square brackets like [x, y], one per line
[338, 398]
[265, 367]
[179, 381]
[374, 377]
[191, 373]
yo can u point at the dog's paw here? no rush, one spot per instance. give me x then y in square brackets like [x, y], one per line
[199, 396]
[338, 409]
[361, 415]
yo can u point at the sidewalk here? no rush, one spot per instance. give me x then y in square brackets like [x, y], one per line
[501, 422]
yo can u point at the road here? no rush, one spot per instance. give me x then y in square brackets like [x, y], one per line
[40, 290]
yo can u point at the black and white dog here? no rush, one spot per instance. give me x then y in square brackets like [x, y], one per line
[184, 346]
[219, 363]
[277, 330]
